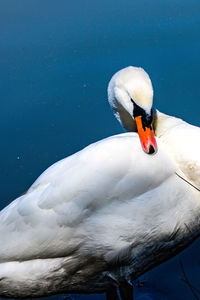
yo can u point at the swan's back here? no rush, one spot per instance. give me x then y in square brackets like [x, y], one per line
[49, 220]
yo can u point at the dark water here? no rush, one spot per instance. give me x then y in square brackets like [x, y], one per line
[56, 58]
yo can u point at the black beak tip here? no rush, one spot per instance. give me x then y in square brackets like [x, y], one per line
[151, 150]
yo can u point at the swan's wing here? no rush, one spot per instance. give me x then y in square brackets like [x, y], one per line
[49, 220]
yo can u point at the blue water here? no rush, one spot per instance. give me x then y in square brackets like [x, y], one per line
[56, 58]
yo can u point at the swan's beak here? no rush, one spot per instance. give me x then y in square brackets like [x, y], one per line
[147, 137]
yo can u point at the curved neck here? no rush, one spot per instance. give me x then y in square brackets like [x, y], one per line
[163, 123]
[182, 143]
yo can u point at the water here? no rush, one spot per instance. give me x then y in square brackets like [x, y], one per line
[56, 58]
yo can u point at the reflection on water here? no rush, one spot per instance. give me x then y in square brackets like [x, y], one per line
[56, 59]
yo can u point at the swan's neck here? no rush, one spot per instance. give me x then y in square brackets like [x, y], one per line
[163, 124]
[182, 142]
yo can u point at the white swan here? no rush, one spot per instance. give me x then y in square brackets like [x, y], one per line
[100, 218]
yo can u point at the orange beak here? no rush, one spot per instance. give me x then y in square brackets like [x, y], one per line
[147, 137]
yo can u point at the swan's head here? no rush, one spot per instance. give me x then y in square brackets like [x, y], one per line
[130, 94]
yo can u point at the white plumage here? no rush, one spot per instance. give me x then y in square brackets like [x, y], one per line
[105, 215]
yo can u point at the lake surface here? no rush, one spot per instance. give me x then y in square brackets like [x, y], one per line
[56, 58]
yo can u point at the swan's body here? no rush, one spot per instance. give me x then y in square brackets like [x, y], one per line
[105, 215]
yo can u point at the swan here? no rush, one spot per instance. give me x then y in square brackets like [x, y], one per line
[98, 219]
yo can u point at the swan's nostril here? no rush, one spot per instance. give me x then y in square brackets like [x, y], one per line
[151, 150]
